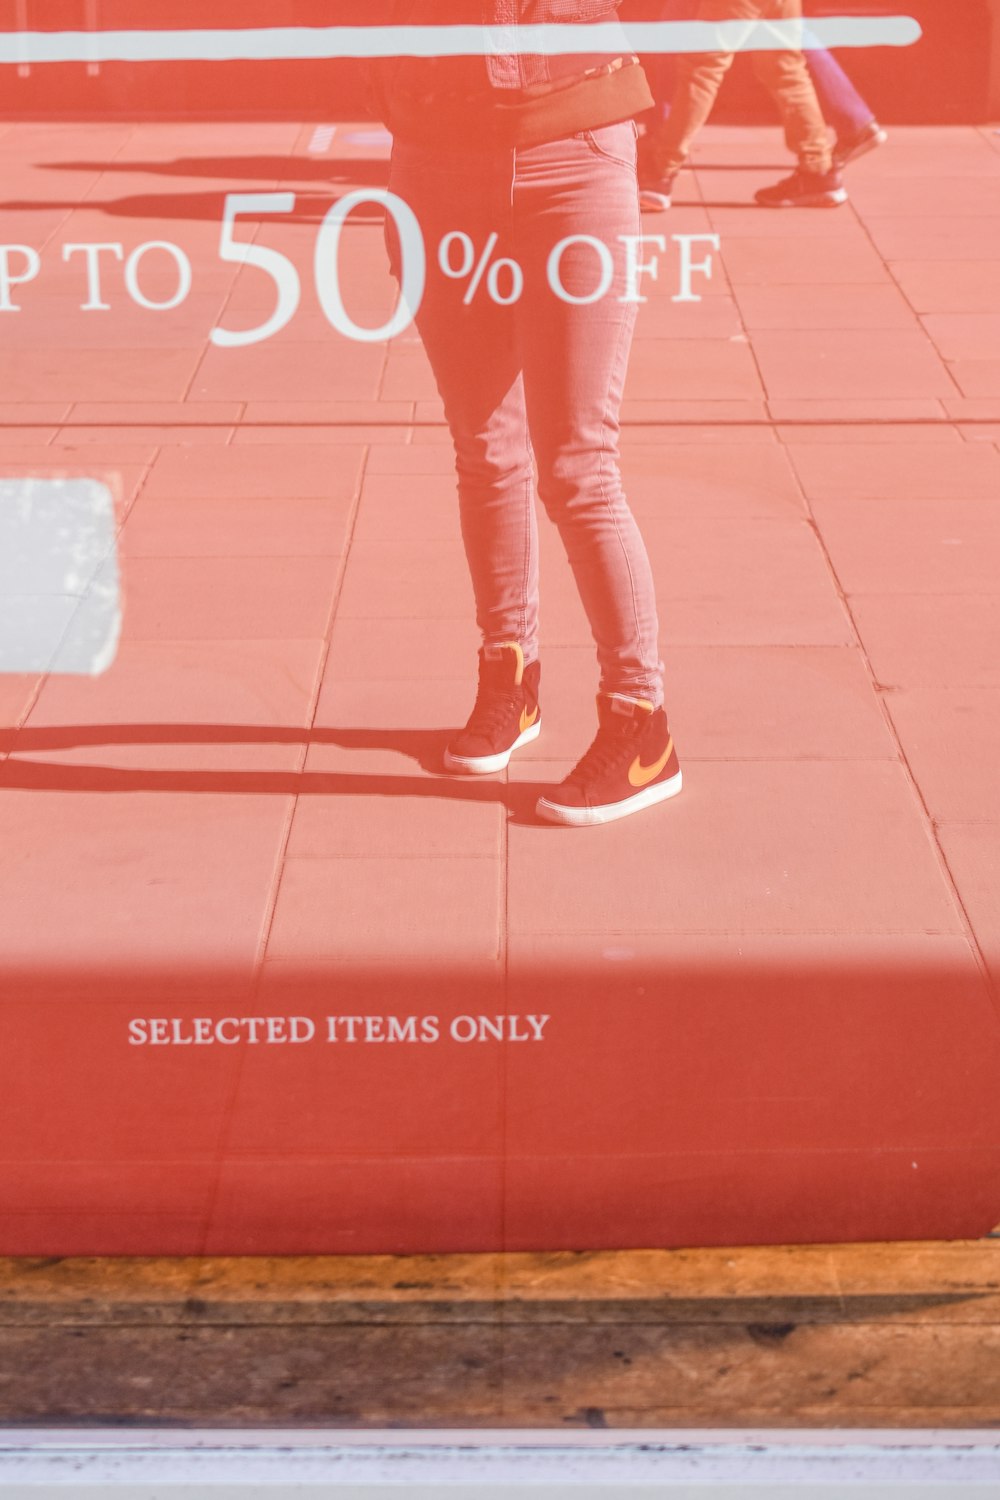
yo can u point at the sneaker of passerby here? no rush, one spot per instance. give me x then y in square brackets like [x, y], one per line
[849, 148]
[804, 189]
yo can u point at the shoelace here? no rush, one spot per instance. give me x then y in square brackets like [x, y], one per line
[610, 747]
[493, 708]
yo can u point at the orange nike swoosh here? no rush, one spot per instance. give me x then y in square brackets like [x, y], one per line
[640, 775]
[527, 720]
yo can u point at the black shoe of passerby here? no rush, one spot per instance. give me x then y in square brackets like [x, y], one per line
[506, 713]
[851, 147]
[804, 190]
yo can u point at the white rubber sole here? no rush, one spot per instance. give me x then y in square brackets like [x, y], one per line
[653, 202]
[832, 199]
[589, 817]
[484, 765]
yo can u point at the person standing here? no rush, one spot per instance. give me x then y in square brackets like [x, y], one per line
[528, 153]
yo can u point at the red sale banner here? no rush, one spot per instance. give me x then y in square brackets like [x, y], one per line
[498, 625]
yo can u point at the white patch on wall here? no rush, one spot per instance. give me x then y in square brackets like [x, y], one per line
[60, 599]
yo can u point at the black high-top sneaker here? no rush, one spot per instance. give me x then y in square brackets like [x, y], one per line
[506, 714]
[804, 189]
[631, 765]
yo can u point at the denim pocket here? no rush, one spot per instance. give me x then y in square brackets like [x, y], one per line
[615, 143]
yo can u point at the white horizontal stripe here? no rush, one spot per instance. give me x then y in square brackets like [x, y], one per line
[460, 1464]
[292, 43]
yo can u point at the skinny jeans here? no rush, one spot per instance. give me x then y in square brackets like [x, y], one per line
[532, 391]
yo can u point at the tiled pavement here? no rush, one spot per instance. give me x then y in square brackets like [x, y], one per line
[249, 797]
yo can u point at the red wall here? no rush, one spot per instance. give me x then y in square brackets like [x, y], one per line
[945, 78]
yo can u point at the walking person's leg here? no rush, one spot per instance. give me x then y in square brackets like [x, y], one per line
[699, 77]
[840, 101]
[852, 118]
[661, 70]
[785, 74]
[786, 77]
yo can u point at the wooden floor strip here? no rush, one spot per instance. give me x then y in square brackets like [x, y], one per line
[878, 1336]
